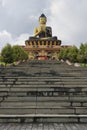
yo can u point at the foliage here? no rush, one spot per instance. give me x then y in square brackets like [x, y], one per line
[83, 64]
[7, 54]
[69, 53]
[82, 55]
[74, 54]
[63, 53]
[11, 54]
[19, 53]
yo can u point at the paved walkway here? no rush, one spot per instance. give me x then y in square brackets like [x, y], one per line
[43, 126]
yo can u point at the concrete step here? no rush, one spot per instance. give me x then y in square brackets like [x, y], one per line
[44, 110]
[50, 85]
[48, 103]
[41, 121]
[47, 98]
[80, 82]
[42, 80]
[75, 89]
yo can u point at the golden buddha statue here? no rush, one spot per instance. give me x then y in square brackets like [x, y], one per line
[43, 31]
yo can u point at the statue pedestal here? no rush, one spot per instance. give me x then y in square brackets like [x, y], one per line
[42, 42]
[42, 48]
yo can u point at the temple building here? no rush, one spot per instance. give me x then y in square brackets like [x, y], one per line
[43, 45]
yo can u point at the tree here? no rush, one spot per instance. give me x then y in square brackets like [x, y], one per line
[12, 54]
[69, 53]
[63, 53]
[82, 54]
[7, 54]
[19, 53]
[72, 54]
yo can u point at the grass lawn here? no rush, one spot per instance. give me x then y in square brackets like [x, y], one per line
[83, 64]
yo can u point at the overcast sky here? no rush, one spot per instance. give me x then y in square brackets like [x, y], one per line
[68, 19]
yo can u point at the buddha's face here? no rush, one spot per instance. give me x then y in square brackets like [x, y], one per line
[42, 20]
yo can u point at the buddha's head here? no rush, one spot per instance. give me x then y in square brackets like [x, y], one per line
[42, 19]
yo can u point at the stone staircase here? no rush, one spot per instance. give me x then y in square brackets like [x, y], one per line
[43, 91]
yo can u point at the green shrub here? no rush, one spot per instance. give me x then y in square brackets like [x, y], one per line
[72, 54]
[63, 53]
[7, 54]
[19, 53]
[69, 53]
[82, 54]
[12, 54]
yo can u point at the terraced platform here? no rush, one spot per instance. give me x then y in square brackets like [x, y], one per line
[43, 91]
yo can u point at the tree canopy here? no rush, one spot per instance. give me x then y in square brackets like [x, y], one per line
[19, 53]
[74, 54]
[7, 54]
[10, 54]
